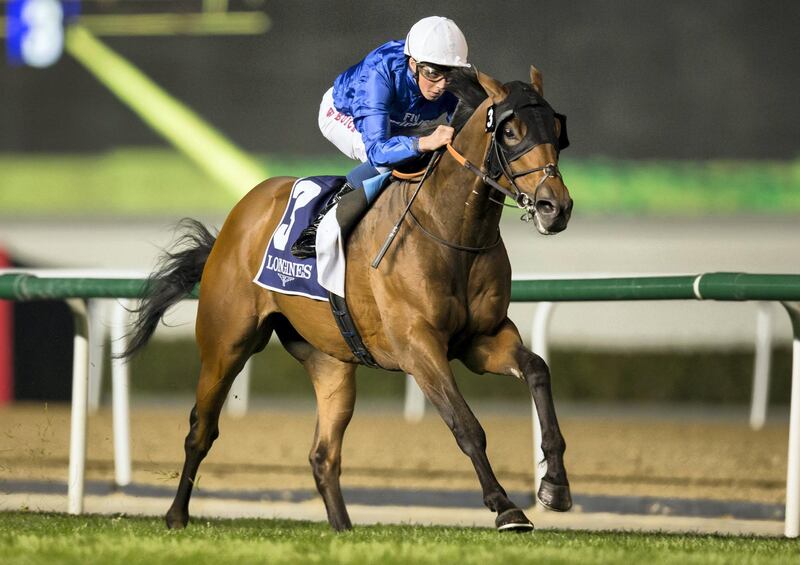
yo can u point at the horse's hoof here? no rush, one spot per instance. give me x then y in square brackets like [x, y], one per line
[176, 521]
[555, 497]
[341, 526]
[513, 520]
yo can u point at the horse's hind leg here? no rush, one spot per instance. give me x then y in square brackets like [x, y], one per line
[503, 353]
[223, 355]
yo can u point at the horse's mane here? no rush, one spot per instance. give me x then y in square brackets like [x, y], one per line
[470, 93]
[464, 84]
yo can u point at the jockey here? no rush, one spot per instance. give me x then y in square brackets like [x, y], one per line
[394, 88]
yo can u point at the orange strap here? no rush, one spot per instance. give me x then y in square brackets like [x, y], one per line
[456, 155]
[409, 176]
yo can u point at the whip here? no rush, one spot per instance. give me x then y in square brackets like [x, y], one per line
[393, 233]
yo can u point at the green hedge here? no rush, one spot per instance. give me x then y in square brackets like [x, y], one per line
[162, 181]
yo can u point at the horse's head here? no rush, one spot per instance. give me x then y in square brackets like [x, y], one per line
[523, 137]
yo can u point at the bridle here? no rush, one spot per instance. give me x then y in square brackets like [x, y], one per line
[522, 98]
[522, 200]
[498, 160]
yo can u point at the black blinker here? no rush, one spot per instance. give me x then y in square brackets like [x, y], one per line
[530, 107]
[563, 139]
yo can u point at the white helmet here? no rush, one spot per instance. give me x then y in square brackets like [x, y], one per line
[437, 40]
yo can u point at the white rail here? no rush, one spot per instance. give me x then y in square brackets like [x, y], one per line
[120, 391]
[80, 397]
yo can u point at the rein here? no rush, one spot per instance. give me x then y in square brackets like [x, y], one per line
[449, 244]
[496, 158]
[407, 211]
[392, 234]
[521, 199]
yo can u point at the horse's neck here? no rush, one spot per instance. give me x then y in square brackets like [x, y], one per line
[459, 205]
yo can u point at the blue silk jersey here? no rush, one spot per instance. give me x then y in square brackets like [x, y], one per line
[382, 96]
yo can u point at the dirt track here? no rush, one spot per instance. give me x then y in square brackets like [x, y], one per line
[268, 450]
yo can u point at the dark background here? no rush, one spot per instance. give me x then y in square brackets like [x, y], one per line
[638, 79]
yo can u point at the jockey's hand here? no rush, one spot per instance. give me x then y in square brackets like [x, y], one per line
[440, 137]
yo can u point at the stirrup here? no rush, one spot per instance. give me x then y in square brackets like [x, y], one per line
[305, 246]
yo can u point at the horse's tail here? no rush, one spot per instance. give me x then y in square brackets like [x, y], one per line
[178, 271]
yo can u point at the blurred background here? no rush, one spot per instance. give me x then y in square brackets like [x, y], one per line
[684, 159]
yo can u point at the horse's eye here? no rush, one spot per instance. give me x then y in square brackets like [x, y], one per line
[508, 133]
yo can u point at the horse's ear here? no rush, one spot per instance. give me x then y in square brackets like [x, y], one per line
[493, 87]
[536, 80]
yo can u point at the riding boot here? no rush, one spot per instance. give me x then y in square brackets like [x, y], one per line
[350, 210]
[306, 244]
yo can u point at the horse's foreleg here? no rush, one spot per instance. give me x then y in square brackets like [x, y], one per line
[335, 389]
[429, 365]
[504, 353]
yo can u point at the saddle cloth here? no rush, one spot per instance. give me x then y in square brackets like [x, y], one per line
[281, 271]
[330, 243]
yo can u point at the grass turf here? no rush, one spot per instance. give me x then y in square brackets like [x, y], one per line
[27, 537]
[161, 181]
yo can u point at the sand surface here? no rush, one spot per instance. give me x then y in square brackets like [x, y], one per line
[268, 449]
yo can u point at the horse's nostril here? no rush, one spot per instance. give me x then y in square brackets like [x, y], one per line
[545, 207]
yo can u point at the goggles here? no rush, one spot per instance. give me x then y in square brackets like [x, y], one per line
[432, 73]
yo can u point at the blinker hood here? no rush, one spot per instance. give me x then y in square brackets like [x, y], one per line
[529, 107]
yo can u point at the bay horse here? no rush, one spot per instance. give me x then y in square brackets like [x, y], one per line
[441, 293]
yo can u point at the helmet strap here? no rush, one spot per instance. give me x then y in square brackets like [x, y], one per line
[416, 73]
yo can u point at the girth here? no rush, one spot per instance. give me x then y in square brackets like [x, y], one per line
[349, 332]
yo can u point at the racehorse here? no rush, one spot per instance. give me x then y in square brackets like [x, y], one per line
[441, 293]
